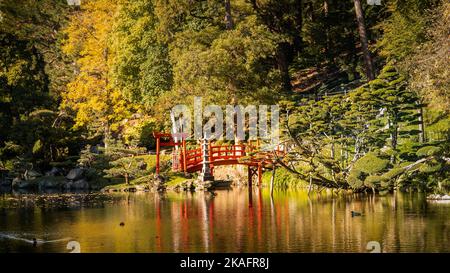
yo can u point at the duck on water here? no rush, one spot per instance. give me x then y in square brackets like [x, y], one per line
[355, 213]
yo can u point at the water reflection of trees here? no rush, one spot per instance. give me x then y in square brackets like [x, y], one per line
[242, 221]
[233, 221]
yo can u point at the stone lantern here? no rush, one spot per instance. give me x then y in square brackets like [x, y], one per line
[206, 174]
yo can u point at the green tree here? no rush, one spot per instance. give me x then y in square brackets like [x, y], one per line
[228, 66]
[123, 161]
[127, 167]
[427, 68]
[24, 83]
[141, 67]
[372, 127]
[283, 18]
[33, 76]
[405, 28]
[40, 23]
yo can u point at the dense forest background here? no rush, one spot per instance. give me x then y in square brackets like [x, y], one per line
[366, 86]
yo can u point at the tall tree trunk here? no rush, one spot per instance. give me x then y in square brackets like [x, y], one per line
[364, 43]
[298, 41]
[328, 42]
[228, 18]
[327, 31]
[283, 66]
[394, 136]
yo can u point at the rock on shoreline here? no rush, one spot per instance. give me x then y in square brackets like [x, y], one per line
[438, 197]
[74, 180]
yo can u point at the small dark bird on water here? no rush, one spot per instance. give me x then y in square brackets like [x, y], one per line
[355, 213]
[122, 224]
[34, 242]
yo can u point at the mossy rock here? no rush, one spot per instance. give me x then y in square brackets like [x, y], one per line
[24, 184]
[126, 188]
[50, 182]
[177, 181]
[185, 185]
[99, 183]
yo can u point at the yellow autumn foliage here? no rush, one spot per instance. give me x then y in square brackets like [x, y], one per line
[90, 94]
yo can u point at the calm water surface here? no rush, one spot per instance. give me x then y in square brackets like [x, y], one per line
[230, 221]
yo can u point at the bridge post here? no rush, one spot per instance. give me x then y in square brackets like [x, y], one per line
[259, 174]
[206, 169]
[184, 155]
[250, 178]
[250, 196]
[157, 155]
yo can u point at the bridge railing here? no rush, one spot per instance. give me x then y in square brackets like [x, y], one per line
[227, 152]
[193, 157]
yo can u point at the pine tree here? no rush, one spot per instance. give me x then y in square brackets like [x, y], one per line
[124, 161]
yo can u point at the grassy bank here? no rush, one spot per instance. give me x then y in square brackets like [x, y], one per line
[283, 179]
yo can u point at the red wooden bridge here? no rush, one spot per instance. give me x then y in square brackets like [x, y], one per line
[191, 160]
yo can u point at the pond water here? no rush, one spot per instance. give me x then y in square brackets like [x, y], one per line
[229, 221]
